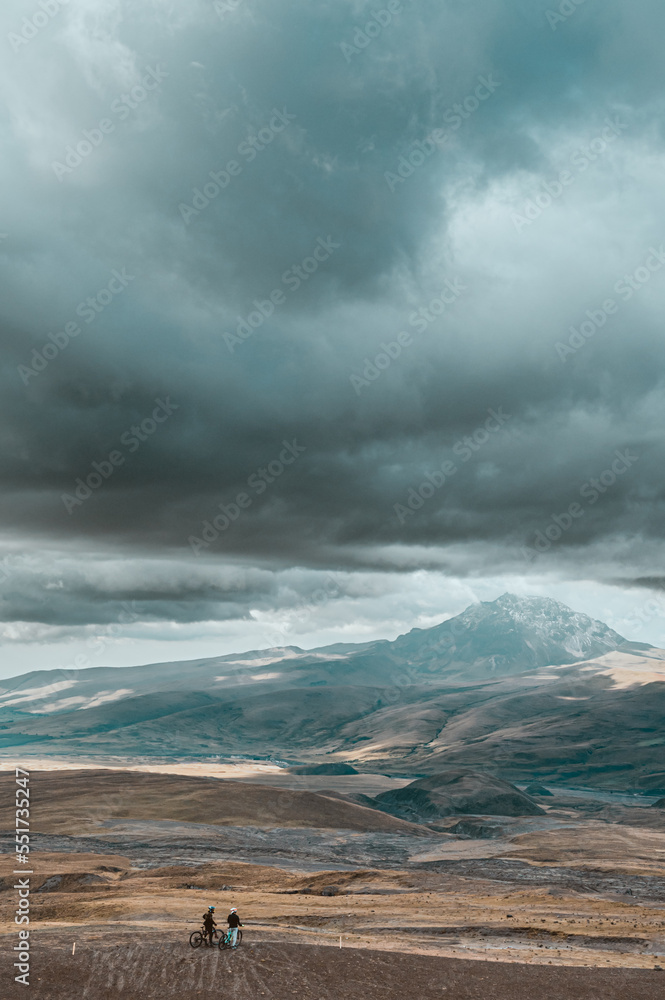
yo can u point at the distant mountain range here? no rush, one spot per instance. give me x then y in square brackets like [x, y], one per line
[520, 686]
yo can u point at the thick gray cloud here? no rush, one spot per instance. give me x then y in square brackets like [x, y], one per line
[514, 226]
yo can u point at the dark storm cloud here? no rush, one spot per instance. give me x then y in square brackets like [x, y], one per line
[647, 582]
[62, 593]
[172, 278]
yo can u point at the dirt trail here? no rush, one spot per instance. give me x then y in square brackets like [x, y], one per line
[111, 965]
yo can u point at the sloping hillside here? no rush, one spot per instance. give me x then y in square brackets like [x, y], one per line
[457, 791]
[79, 802]
[502, 686]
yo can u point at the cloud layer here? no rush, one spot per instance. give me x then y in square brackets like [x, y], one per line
[426, 257]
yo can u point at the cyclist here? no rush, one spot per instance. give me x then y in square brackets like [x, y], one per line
[233, 921]
[209, 924]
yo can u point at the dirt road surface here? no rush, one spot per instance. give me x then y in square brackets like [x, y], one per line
[125, 966]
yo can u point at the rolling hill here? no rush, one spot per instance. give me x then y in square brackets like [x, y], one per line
[80, 802]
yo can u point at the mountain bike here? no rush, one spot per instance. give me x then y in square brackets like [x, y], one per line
[225, 940]
[197, 938]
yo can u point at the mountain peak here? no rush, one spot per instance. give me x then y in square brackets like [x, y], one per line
[529, 603]
[509, 635]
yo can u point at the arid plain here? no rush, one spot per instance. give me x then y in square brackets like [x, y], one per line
[126, 861]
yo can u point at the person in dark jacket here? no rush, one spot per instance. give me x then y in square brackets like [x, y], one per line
[209, 923]
[233, 921]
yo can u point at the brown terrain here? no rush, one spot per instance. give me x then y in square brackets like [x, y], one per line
[569, 902]
[151, 965]
[76, 802]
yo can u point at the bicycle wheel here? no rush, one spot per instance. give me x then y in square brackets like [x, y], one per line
[196, 939]
[225, 943]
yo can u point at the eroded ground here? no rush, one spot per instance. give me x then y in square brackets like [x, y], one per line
[508, 911]
[150, 965]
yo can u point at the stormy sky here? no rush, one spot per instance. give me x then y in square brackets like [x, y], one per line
[323, 320]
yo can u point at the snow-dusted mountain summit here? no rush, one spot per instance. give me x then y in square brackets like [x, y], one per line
[509, 635]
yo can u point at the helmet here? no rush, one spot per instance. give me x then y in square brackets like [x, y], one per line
[211, 907]
[233, 909]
